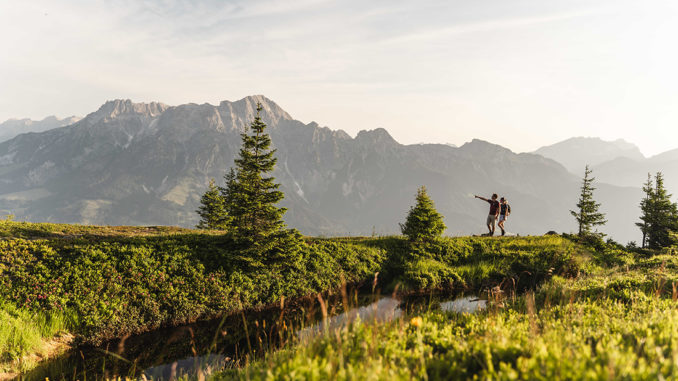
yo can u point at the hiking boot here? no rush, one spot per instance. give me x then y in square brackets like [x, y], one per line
[503, 232]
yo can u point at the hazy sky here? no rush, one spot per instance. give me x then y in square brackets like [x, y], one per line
[518, 73]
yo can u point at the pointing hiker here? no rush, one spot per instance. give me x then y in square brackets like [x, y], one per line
[494, 212]
[504, 212]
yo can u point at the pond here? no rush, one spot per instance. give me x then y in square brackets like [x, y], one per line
[209, 346]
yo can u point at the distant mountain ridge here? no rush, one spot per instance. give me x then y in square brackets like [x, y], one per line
[576, 153]
[149, 163]
[617, 162]
[629, 172]
[13, 127]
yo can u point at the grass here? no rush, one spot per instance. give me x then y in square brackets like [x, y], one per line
[25, 332]
[106, 282]
[603, 339]
[42, 230]
[616, 317]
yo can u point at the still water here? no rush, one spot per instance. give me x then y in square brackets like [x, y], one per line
[215, 345]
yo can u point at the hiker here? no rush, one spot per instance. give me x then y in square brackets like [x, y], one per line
[494, 212]
[504, 212]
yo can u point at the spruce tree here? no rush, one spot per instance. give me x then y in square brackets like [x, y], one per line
[423, 222]
[251, 194]
[663, 219]
[646, 208]
[228, 193]
[212, 209]
[587, 215]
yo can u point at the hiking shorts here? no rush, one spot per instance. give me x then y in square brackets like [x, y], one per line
[502, 217]
[491, 219]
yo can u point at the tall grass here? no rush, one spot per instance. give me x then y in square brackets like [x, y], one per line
[24, 332]
[613, 318]
[580, 339]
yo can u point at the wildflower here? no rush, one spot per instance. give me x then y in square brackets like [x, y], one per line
[416, 321]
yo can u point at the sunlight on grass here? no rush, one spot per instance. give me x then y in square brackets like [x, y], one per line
[25, 332]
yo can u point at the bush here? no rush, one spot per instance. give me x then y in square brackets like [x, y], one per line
[129, 285]
[479, 262]
[423, 222]
[429, 274]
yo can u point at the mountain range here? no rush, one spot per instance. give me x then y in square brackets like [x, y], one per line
[576, 153]
[149, 163]
[613, 162]
[13, 127]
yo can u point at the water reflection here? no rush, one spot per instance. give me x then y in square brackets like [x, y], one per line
[385, 309]
[187, 367]
[468, 304]
[210, 346]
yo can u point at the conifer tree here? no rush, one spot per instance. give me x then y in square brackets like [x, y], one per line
[646, 207]
[228, 192]
[587, 215]
[663, 218]
[212, 209]
[251, 194]
[423, 222]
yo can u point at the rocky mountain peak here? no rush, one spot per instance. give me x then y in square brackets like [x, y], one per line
[122, 107]
[247, 108]
[376, 136]
[71, 120]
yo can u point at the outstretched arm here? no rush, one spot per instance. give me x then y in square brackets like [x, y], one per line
[482, 198]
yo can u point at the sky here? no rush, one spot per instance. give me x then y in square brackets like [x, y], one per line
[520, 73]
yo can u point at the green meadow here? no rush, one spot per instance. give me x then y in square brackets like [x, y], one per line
[91, 284]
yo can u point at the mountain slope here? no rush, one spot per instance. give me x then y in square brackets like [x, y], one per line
[148, 164]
